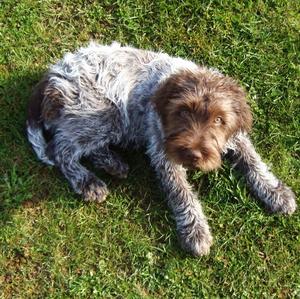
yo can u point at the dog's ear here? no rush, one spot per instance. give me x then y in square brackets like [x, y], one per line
[240, 105]
[172, 89]
[244, 111]
[246, 117]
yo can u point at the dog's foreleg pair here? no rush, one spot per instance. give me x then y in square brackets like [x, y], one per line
[192, 227]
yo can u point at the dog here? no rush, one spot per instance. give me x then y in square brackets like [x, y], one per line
[186, 116]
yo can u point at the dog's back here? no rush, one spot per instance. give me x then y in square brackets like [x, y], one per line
[97, 82]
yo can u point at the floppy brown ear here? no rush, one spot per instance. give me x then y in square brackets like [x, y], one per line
[244, 111]
[240, 104]
[246, 117]
[173, 88]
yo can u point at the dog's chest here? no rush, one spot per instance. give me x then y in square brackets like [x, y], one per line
[134, 130]
[139, 106]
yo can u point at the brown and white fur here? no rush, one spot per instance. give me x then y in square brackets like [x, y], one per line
[184, 115]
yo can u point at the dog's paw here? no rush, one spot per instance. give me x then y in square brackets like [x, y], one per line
[95, 190]
[281, 200]
[196, 239]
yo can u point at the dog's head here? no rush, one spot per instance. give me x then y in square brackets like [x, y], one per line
[199, 112]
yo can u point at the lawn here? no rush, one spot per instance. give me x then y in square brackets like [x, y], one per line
[53, 245]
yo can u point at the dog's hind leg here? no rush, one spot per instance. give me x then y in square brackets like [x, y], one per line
[111, 162]
[78, 135]
[264, 184]
[67, 158]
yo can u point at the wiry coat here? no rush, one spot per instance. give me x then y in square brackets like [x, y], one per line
[110, 95]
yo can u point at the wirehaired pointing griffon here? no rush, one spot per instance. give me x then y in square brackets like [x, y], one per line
[184, 115]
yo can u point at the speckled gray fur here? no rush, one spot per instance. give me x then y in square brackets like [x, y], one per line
[105, 92]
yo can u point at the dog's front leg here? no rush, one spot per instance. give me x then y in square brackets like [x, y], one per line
[269, 189]
[193, 230]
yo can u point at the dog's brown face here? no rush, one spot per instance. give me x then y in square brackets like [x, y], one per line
[199, 112]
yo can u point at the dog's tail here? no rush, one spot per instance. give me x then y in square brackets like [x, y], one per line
[34, 124]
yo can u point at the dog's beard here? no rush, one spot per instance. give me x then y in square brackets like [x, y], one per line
[205, 158]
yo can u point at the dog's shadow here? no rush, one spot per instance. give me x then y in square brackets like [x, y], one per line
[16, 159]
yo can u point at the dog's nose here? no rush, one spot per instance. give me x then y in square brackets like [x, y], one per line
[194, 155]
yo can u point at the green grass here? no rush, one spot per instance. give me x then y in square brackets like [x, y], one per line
[52, 245]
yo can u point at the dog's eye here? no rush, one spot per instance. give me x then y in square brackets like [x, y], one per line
[218, 120]
[184, 113]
